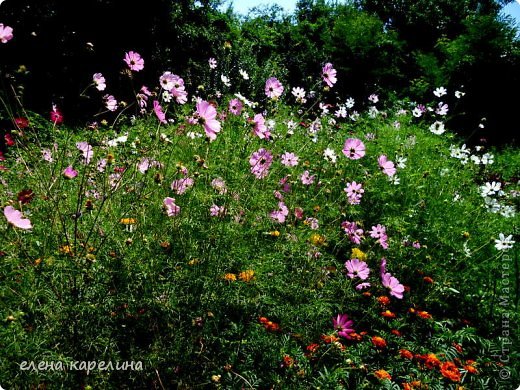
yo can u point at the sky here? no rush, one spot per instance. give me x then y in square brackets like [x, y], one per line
[242, 6]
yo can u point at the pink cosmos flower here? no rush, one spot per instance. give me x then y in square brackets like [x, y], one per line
[159, 112]
[273, 88]
[180, 186]
[354, 148]
[328, 73]
[361, 286]
[286, 186]
[280, 214]
[298, 213]
[212, 63]
[306, 178]
[99, 81]
[56, 115]
[217, 211]
[260, 129]
[110, 102]
[172, 210]
[373, 98]
[390, 282]
[167, 81]
[134, 61]
[354, 233]
[343, 325]
[206, 116]
[260, 162]
[354, 192]
[289, 159]
[86, 149]
[70, 173]
[378, 231]
[15, 218]
[382, 267]
[357, 269]
[386, 165]
[235, 106]
[47, 155]
[6, 33]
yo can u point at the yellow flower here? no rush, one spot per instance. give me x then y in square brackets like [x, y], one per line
[358, 254]
[317, 239]
[246, 275]
[66, 250]
[128, 221]
[275, 233]
[230, 277]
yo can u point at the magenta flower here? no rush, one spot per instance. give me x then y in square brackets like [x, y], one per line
[260, 162]
[390, 282]
[343, 325]
[328, 73]
[159, 112]
[15, 218]
[206, 116]
[56, 115]
[6, 33]
[110, 102]
[99, 81]
[298, 213]
[289, 159]
[172, 210]
[273, 88]
[386, 165]
[235, 106]
[307, 178]
[70, 173]
[354, 233]
[260, 129]
[357, 269]
[134, 61]
[180, 186]
[354, 148]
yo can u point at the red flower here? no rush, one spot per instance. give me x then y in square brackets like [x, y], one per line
[406, 354]
[21, 123]
[9, 141]
[25, 196]
[388, 314]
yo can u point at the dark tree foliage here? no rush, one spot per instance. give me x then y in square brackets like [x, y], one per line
[398, 48]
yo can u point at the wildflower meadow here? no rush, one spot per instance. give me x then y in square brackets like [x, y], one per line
[249, 233]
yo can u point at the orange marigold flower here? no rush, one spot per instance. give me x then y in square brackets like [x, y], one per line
[384, 300]
[449, 370]
[411, 310]
[379, 342]
[329, 338]
[424, 314]
[407, 386]
[431, 361]
[382, 375]
[471, 369]
[247, 275]
[367, 294]
[395, 332]
[388, 314]
[427, 279]
[230, 277]
[406, 354]
[356, 336]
